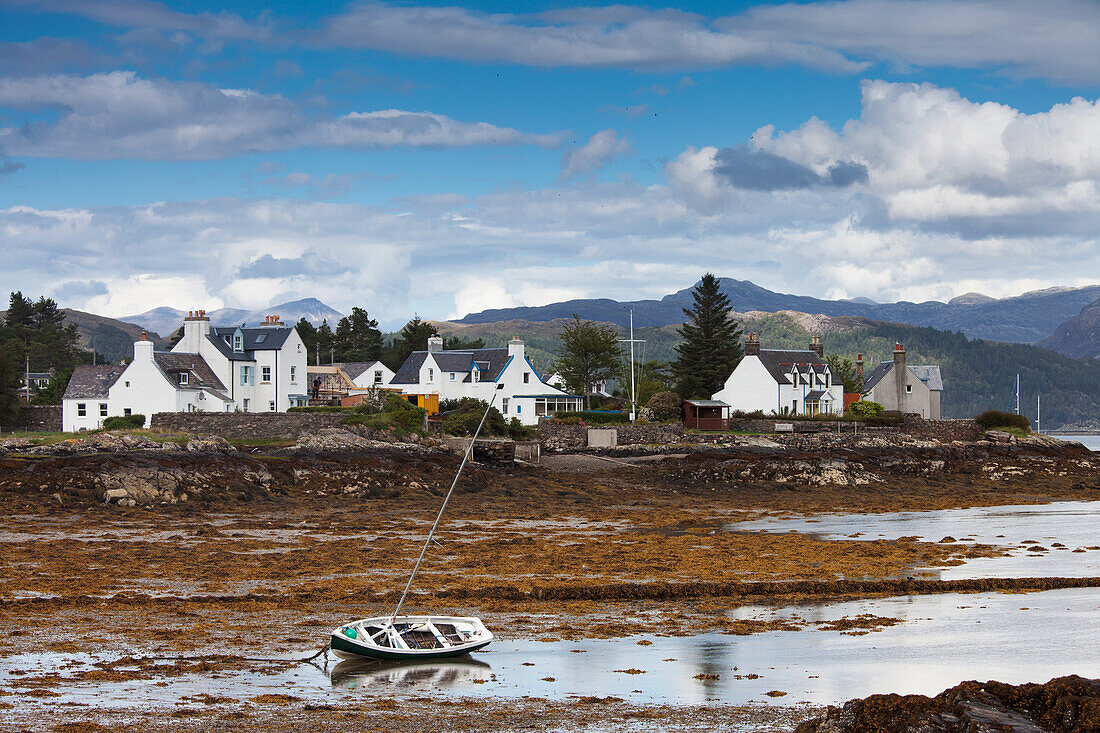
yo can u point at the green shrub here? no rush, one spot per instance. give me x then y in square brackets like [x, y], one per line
[993, 419]
[665, 407]
[399, 415]
[404, 413]
[888, 419]
[124, 422]
[589, 417]
[866, 408]
[465, 415]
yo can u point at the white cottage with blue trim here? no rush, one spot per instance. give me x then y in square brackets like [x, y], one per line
[456, 373]
[783, 381]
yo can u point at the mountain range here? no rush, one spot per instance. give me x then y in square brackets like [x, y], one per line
[165, 320]
[1079, 336]
[1027, 318]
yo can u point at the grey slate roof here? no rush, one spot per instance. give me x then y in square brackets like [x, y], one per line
[267, 338]
[491, 361]
[778, 362]
[354, 368]
[91, 382]
[817, 394]
[199, 373]
[877, 374]
[930, 375]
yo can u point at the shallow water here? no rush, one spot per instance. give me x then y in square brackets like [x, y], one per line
[1074, 524]
[943, 640]
[1092, 442]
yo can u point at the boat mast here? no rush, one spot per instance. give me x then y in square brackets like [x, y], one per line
[632, 341]
[1017, 393]
[1039, 413]
[447, 498]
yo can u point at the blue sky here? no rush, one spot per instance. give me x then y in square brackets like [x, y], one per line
[441, 158]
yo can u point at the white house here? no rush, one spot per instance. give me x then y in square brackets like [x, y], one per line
[457, 373]
[897, 386]
[233, 369]
[783, 381]
[367, 374]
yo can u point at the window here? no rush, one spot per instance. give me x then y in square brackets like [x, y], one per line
[237, 342]
[827, 380]
[519, 409]
[244, 375]
[794, 407]
[378, 377]
[452, 376]
[261, 338]
[81, 409]
[127, 384]
[183, 378]
[103, 409]
[127, 411]
[794, 378]
[246, 404]
[527, 377]
[228, 408]
[293, 374]
[271, 406]
[265, 374]
[191, 408]
[431, 374]
[908, 388]
[504, 406]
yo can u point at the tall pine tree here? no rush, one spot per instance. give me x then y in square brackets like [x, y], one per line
[710, 344]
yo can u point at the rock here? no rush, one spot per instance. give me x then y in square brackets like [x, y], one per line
[328, 440]
[998, 436]
[948, 539]
[209, 444]
[112, 494]
[58, 497]
[1063, 705]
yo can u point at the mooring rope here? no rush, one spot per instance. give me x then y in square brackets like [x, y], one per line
[207, 657]
[447, 498]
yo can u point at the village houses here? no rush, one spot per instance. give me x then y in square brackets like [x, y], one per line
[898, 386]
[450, 374]
[783, 382]
[210, 369]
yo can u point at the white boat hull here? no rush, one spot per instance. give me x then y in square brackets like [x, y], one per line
[409, 637]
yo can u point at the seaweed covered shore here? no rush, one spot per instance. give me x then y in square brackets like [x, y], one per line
[202, 547]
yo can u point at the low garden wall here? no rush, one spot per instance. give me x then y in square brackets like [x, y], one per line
[34, 418]
[562, 437]
[263, 425]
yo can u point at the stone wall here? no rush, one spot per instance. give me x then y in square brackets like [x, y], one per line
[271, 425]
[37, 419]
[559, 437]
[943, 430]
[499, 452]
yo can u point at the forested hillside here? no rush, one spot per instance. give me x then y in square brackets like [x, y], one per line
[978, 375]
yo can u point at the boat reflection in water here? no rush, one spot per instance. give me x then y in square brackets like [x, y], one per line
[368, 674]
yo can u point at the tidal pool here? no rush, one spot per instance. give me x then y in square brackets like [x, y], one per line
[1072, 524]
[941, 640]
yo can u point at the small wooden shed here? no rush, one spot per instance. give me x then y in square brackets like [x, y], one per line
[706, 415]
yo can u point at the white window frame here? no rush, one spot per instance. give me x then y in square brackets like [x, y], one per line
[265, 374]
[182, 379]
[238, 342]
[103, 409]
[81, 409]
[271, 406]
[378, 376]
[293, 374]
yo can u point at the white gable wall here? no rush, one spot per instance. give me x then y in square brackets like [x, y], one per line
[751, 387]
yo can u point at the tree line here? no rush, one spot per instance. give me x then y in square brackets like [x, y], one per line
[358, 338]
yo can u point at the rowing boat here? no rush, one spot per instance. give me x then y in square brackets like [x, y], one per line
[410, 637]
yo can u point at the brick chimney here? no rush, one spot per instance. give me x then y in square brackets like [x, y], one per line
[817, 347]
[271, 322]
[752, 345]
[859, 367]
[195, 328]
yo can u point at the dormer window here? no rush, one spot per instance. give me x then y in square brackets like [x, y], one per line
[182, 379]
[794, 378]
[238, 342]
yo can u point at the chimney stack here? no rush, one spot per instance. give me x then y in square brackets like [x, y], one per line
[752, 345]
[817, 347]
[859, 367]
[515, 348]
[899, 356]
[435, 343]
[195, 328]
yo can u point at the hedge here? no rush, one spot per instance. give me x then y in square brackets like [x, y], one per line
[591, 417]
[124, 422]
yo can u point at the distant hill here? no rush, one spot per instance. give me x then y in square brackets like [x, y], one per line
[1026, 318]
[166, 320]
[112, 338]
[978, 375]
[1079, 336]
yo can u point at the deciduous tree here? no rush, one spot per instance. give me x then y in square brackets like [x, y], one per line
[588, 354]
